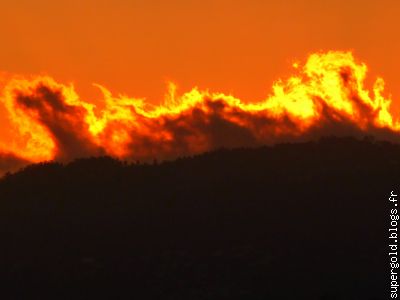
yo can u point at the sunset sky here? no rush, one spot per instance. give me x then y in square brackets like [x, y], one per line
[238, 47]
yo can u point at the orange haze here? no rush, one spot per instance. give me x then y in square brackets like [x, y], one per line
[237, 48]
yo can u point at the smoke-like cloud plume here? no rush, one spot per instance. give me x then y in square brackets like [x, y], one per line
[326, 96]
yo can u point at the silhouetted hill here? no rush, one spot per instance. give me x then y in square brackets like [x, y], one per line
[293, 221]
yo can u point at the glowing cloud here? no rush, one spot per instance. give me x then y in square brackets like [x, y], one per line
[327, 96]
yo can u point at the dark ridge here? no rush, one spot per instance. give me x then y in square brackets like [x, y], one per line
[292, 221]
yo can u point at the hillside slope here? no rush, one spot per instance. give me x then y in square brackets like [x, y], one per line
[293, 221]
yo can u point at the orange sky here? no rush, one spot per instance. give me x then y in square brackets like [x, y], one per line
[239, 47]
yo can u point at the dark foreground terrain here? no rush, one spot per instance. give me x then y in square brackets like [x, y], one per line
[294, 221]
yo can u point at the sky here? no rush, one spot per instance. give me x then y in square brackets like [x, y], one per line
[237, 47]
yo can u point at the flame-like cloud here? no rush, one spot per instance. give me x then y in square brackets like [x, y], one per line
[327, 96]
